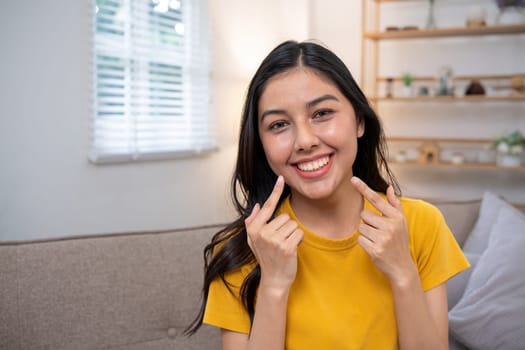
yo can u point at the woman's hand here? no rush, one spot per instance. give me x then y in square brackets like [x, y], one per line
[274, 243]
[385, 237]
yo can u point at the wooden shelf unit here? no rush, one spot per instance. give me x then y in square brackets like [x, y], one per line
[446, 32]
[458, 77]
[437, 140]
[470, 98]
[373, 33]
[467, 165]
[445, 164]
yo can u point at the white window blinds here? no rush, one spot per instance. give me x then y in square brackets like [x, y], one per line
[150, 88]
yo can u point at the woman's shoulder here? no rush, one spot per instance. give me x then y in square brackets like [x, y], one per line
[421, 209]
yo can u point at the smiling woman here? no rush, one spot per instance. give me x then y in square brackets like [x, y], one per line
[310, 138]
[323, 254]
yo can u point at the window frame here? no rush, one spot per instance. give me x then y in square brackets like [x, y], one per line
[185, 127]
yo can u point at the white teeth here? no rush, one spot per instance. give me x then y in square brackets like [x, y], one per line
[315, 165]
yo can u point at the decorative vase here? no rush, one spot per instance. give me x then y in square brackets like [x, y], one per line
[509, 160]
[510, 15]
[431, 21]
[407, 91]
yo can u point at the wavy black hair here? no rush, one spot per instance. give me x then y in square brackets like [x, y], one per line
[253, 179]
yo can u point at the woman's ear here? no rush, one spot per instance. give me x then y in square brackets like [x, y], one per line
[360, 128]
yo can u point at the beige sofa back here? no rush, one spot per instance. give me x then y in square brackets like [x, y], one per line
[130, 291]
[460, 216]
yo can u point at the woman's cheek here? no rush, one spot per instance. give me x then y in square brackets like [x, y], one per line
[278, 147]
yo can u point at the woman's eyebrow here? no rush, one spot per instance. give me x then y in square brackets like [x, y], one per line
[272, 111]
[310, 104]
[321, 99]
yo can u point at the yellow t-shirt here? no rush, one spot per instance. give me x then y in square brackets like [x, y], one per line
[339, 299]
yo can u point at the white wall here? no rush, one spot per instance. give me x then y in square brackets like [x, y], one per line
[47, 185]
[337, 23]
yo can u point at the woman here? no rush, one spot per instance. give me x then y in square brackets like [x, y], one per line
[324, 255]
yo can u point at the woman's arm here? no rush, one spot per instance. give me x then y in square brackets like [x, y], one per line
[274, 243]
[421, 317]
[269, 324]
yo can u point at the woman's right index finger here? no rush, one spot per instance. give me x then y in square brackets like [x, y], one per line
[271, 203]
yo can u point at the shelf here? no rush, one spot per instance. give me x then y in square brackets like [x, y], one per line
[446, 32]
[443, 164]
[448, 164]
[471, 98]
[442, 156]
[458, 77]
[437, 140]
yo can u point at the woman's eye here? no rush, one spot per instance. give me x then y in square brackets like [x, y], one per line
[323, 113]
[277, 125]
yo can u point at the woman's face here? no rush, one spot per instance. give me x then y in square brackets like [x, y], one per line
[309, 133]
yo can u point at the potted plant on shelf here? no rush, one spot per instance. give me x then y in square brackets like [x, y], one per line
[407, 84]
[510, 11]
[510, 147]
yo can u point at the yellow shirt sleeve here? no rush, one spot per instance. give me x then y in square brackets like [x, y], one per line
[224, 308]
[434, 248]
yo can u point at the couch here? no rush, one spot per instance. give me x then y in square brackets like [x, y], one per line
[120, 291]
[133, 291]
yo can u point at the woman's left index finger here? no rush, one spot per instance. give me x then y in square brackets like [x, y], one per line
[373, 197]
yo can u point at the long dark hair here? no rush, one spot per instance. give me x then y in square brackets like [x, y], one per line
[253, 179]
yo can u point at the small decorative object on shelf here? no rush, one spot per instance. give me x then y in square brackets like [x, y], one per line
[401, 156]
[457, 158]
[407, 84]
[510, 147]
[431, 21]
[446, 88]
[395, 28]
[517, 83]
[475, 88]
[429, 153]
[389, 86]
[423, 91]
[476, 17]
[510, 11]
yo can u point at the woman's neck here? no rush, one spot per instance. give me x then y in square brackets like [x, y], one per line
[334, 217]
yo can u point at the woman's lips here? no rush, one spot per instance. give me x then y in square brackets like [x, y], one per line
[314, 165]
[314, 168]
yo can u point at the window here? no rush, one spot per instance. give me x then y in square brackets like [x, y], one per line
[150, 86]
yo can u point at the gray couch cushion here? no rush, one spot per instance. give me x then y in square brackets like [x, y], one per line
[490, 313]
[478, 239]
[456, 285]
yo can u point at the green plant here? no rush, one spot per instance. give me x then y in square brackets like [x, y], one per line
[408, 79]
[510, 143]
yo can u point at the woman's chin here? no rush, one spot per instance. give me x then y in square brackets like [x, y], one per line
[315, 192]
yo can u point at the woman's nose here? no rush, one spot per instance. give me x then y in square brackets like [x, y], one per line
[305, 137]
